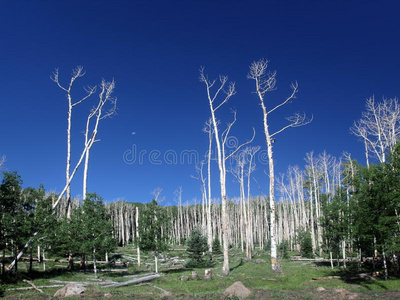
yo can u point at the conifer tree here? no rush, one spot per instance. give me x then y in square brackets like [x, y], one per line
[216, 246]
[196, 247]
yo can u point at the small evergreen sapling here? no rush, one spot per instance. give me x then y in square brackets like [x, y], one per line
[196, 247]
[216, 246]
[306, 245]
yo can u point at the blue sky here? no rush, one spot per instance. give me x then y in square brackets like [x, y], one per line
[340, 52]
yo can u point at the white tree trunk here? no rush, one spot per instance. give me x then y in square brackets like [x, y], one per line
[137, 236]
[209, 225]
[156, 262]
[94, 263]
[85, 174]
[265, 83]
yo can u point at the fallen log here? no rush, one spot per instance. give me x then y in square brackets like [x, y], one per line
[326, 277]
[296, 258]
[137, 275]
[165, 293]
[31, 288]
[84, 283]
[133, 281]
[33, 285]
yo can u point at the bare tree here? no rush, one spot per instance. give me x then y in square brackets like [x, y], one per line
[379, 127]
[2, 161]
[137, 236]
[76, 73]
[178, 194]
[315, 175]
[209, 129]
[221, 139]
[156, 193]
[98, 113]
[106, 90]
[251, 152]
[199, 169]
[265, 82]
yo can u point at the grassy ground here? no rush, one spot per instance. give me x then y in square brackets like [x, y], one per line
[294, 282]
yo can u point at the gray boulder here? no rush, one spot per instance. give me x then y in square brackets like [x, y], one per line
[237, 290]
[71, 289]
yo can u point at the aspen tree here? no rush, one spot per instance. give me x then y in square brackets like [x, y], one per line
[251, 152]
[199, 169]
[106, 89]
[379, 127]
[98, 113]
[265, 82]
[76, 73]
[178, 195]
[208, 129]
[137, 236]
[314, 197]
[2, 161]
[221, 139]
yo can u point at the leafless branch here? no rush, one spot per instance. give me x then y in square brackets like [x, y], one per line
[294, 86]
[265, 82]
[2, 160]
[240, 146]
[209, 84]
[295, 120]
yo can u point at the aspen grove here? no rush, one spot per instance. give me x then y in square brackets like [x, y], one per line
[344, 207]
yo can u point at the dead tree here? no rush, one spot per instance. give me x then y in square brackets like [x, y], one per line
[76, 73]
[265, 82]
[221, 139]
[379, 127]
[98, 113]
[106, 89]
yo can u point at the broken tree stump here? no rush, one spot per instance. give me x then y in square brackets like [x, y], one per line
[207, 274]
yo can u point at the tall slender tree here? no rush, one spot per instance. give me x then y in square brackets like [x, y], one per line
[221, 139]
[265, 82]
[379, 127]
[76, 73]
[98, 113]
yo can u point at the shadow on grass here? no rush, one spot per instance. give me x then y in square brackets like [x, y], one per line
[239, 265]
[352, 275]
[10, 278]
[179, 270]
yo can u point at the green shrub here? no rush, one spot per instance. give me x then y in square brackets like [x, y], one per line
[216, 246]
[196, 247]
[306, 244]
[283, 249]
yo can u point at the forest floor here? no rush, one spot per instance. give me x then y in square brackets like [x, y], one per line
[298, 279]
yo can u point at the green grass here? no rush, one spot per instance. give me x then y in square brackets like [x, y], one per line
[294, 282]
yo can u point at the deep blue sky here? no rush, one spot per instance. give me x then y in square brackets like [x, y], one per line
[340, 52]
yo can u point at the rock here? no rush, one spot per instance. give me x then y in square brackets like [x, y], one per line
[365, 276]
[184, 278]
[195, 275]
[166, 295]
[347, 294]
[207, 274]
[237, 290]
[321, 289]
[71, 289]
[259, 261]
